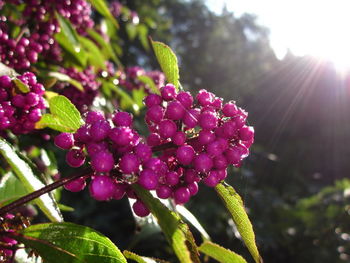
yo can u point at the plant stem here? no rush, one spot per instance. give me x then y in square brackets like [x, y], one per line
[27, 198]
[169, 145]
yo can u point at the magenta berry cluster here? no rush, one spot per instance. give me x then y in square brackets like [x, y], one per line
[10, 223]
[81, 99]
[115, 152]
[38, 16]
[20, 111]
[197, 139]
[207, 136]
[129, 78]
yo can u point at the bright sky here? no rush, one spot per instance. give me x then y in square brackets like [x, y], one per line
[313, 27]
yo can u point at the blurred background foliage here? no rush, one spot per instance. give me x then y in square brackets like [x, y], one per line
[294, 182]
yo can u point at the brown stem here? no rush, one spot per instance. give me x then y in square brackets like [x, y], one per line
[169, 145]
[27, 198]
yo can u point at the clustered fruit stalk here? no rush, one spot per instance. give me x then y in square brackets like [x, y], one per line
[46, 189]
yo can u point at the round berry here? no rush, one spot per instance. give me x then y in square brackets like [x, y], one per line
[207, 120]
[179, 138]
[172, 178]
[155, 113]
[129, 163]
[76, 185]
[203, 163]
[230, 109]
[148, 179]
[143, 151]
[94, 116]
[168, 92]
[119, 191]
[140, 209]
[164, 191]
[75, 158]
[122, 119]
[182, 195]
[64, 140]
[185, 154]
[246, 133]
[102, 162]
[193, 188]
[152, 99]
[167, 128]
[190, 118]
[185, 98]
[99, 130]
[212, 179]
[102, 188]
[205, 137]
[175, 110]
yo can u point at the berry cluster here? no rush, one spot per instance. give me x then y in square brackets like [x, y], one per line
[41, 25]
[196, 141]
[130, 80]
[10, 224]
[20, 111]
[81, 99]
[116, 156]
[207, 137]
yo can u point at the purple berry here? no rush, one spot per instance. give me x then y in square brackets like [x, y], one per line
[119, 191]
[193, 188]
[122, 119]
[129, 163]
[212, 179]
[99, 130]
[172, 178]
[75, 158]
[190, 118]
[230, 109]
[143, 151]
[205, 137]
[64, 140]
[179, 138]
[102, 188]
[185, 98]
[102, 162]
[121, 136]
[164, 191]
[96, 147]
[155, 113]
[185, 154]
[203, 163]
[148, 179]
[168, 92]
[5, 82]
[152, 99]
[246, 133]
[153, 139]
[94, 116]
[175, 110]
[182, 195]
[140, 209]
[167, 128]
[76, 186]
[207, 120]
[204, 98]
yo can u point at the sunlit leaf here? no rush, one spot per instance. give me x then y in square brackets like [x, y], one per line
[175, 230]
[68, 39]
[143, 36]
[95, 57]
[140, 259]
[67, 242]
[102, 7]
[30, 181]
[220, 253]
[187, 215]
[167, 61]
[11, 188]
[22, 87]
[150, 83]
[234, 204]
[64, 116]
[65, 78]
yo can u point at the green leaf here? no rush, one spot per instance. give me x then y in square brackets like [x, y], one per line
[140, 259]
[234, 204]
[64, 116]
[187, 215]
[95, 57]
[220, 253]
[11, 188]
[131, 30]
[149, 81]
[21, 85]
[106, 48]
[68, 39]
[175, 230]
[5, 70]
[67, 242]
[102, 7]
[65, 78]
[30, 181]
[143, 36]
[167, 61]
[126, 102]
[138, 95]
